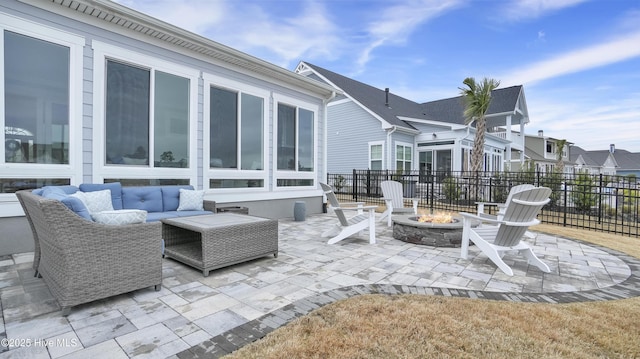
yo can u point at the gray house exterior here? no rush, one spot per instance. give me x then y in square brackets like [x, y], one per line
[370, 128]
[95, 92]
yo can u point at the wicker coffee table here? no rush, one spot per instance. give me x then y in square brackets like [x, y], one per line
[219, 240]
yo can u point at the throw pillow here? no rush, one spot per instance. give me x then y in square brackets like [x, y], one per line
[120, 216]
[97, 201]
[191, 200]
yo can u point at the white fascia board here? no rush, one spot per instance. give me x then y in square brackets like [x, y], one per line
[451, 126]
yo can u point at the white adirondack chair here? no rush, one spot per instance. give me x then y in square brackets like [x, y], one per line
[502, 206]
[393, 198]
[506, 233]
[347, 227]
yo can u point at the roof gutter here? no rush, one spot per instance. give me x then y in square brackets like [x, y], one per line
[325, 132]
[389, 133]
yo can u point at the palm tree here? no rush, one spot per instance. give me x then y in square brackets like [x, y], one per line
[477, 98]
[560, 164]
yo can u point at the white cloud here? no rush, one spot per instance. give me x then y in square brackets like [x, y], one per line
[616, 50]
[516, 10]
[193, 15]
[399, 21]
[592, 127]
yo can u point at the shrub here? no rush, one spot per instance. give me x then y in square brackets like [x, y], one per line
[451, 189]
[582, 194]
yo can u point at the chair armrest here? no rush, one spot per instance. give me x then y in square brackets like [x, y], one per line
[482, 218]
[357, 208]
[209, 205]
[351, 204]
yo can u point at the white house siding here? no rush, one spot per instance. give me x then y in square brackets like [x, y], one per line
[84, 137]
[348, 139]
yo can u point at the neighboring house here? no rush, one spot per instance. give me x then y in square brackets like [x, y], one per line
[376, 129]
[628, 162]
[93, 91]
[593, 162]
[609, 162]
[542, 151]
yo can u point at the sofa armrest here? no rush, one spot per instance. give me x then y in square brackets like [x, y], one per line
[209, 205]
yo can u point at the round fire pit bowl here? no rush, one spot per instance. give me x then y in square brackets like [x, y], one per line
[408, 229]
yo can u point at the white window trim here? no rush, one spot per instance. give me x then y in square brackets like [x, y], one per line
[279, 174]
[75, 43]
[211, 80]
[375, 143]
[103, 52]
[395, 153]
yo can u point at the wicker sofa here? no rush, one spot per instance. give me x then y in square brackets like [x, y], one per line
[82, 261]
[158, 201]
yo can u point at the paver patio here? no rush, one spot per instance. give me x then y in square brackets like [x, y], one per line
[196, 316]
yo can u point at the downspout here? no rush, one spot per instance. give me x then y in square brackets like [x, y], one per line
[389, 149]
[325, 150]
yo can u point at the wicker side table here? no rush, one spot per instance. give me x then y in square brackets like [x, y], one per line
[219, 240]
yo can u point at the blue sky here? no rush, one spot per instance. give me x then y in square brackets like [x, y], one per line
[579, 61]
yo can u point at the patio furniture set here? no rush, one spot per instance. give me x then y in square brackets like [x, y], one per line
[493, 235]
[108, 240]
[82, 260]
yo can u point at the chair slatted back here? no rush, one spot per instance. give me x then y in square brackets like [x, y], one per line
[522, 208]
[393, 190]
[333, 201]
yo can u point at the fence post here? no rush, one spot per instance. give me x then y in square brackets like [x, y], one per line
[564, 221]
[600, 200]
[354, 182]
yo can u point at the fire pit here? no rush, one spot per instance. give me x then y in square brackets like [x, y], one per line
[438, 230]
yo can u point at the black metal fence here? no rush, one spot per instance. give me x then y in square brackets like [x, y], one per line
[596, 202]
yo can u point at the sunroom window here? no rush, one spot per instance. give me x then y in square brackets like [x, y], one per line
[131, 102]
[236, 131]
[36, 99]
[295, 139]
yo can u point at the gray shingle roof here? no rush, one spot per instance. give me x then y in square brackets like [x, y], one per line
[451, 110]
[627, 160]
[448, 110]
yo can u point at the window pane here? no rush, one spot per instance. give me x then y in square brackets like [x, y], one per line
[407, 153]
[251, 147]
[11, 185]
[224, 129]
[281, 182]
[399, 152]
[137, 182]
[286, 137]
[127, 115]
[376, 165]
[36, 84]
[171, 121]
[376, 152]
[305, 141]
[235, 183]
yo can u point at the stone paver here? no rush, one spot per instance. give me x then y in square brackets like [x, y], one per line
[207, 317]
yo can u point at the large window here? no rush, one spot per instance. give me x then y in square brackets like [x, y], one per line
[129, 98]
[36, 98]
[295, 138]
[40, 105]
[236, 146]
[145, 117]
[235, 130]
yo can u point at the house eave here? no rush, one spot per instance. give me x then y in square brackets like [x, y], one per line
[452, 126]
[113, 14]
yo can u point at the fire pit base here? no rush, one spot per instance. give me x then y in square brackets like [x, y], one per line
[408, 229]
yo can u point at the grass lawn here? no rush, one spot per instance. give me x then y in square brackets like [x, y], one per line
[414, 326]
